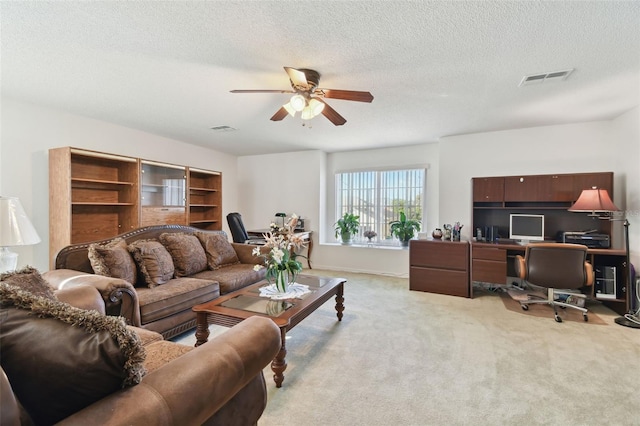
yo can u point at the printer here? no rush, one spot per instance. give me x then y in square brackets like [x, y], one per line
[590, 239]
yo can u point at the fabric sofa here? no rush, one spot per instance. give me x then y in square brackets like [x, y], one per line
[153, 276]
[66, 379]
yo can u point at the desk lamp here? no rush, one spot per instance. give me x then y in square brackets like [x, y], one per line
[281, 216]
[596, 202]
[15, 230]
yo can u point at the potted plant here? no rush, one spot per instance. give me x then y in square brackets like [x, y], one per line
[347, 226]
[404, 229]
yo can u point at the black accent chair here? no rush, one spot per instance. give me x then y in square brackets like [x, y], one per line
[239, 233]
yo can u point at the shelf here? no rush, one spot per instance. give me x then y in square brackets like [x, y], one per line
[203, 189]
[204, 221]
[203, 205]
[159, 185]
[82, 203]
[513, 205]
[604, 299]
[99, 182]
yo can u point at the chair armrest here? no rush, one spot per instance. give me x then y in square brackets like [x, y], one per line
[83, 297]
[588, 269]
[245, 253]
[116, 293]
[520, 267]
[192, 388]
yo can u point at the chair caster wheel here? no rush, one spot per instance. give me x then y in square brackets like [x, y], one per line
[558, 319]
[586, 318]
[525, 307]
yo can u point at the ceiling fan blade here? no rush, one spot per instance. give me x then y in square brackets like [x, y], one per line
[298, 78]
[279, 115]
[347, 95]
[332, 114]
[262, 91]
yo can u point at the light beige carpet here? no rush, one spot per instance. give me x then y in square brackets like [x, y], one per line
[401, 357]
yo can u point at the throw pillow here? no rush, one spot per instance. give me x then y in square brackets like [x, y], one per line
[29, 279]
[153, 260]
[219, 250]
[113, 260]
[60, 359]
[186, 251]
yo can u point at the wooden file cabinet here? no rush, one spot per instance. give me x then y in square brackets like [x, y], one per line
[488, 264]
[439, 267]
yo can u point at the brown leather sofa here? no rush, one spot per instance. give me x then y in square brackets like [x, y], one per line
[218, 383]
[166, 308]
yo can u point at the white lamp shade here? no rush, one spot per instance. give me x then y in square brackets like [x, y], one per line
[316, 106]
[307, 113]
[289, 108]
[298, 102]
[15, 227]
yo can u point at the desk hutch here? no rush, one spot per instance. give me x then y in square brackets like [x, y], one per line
[494, 199]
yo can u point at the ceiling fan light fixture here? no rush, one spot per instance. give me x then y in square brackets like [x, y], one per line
[307, 113]
[298, 102]
[316, 106]
[289, 108]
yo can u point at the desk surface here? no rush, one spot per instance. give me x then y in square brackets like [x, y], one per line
[518, 247]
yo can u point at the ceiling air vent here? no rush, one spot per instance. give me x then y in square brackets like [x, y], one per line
[223, 129]
[544, 77]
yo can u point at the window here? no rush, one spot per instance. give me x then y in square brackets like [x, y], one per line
[379, 196]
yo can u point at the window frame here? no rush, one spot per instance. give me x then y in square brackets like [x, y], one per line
[380, 223]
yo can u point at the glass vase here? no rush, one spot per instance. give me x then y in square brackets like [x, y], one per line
[283, 280]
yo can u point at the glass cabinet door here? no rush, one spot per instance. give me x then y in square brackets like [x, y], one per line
[162, 185]
[162, 194]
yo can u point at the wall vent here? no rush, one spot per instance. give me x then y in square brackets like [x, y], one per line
[544, 77]
[223, 129]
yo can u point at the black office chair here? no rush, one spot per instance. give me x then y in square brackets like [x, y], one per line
[556, 266]
[239, 233]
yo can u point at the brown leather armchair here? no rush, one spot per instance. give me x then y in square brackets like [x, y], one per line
[218, 383]
[556, 267]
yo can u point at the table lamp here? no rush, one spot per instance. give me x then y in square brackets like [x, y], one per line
[15, 230]
[597, 202]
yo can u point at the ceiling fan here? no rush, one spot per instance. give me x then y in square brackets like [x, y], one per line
[308, 98]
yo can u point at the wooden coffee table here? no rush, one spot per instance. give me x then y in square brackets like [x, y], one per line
[232, 308]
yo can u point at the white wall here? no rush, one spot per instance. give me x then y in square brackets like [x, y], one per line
[572, 148]
[302, 182]
[288, 183]
[29, 131]
[626, 144]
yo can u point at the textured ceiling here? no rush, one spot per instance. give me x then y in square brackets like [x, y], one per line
[435, 68]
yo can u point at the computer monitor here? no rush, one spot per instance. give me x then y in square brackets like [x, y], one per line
[526, 227]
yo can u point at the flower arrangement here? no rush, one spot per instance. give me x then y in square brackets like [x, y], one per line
[280, 260]
[370, 234]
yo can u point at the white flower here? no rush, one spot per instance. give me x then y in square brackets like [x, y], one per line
[257, 267]
[256, 251]
[277, 254]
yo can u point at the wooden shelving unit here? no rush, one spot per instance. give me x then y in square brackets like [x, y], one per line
[205, 199]
[95, 195]
[92, 196]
